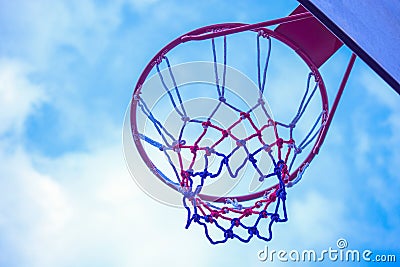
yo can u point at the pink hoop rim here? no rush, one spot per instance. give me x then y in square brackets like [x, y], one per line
[220, 28]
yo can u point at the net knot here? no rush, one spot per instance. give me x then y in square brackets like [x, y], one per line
[267, 148]
[185, 118]
[316, 79]
[280, 163]
[240, 142]
[247, 212]
[228, 233]
[275, 217]
[185, 174]
[253, 231]
[204, 174]
[278, 170]
[235, 222]
[271, 122]
[186, 190]
[209, 151]
[263, 34]
[291, 144]
[136, 137]
[244, 115]
[225, 133]
[222, 99]
[136, 97]
[176, 146]
[205, 124]
[209, 219]
[196, 217]
[263, 214]
[194, 148]
[281, 193]
[279, 142]
[214, 214]
[159, 59]
[188, 193]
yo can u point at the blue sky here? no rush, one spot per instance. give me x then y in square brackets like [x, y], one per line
[67, 72]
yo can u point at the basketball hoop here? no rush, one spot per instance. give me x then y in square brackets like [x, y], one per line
[208, 134]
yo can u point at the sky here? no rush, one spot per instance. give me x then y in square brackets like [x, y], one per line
[67, 198]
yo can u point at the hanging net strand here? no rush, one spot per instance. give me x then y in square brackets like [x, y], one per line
[261, 82]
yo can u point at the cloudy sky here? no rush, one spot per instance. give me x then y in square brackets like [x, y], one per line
[67, 71]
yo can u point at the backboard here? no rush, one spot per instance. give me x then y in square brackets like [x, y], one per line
[370, 28]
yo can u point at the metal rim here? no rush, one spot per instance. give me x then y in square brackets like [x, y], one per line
[219, 27]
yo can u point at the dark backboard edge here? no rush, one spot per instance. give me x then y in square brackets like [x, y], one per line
[351, 44]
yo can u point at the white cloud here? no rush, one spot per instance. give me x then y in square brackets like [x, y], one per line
[379, 90]
[19, 97]
[34, 208]
[372, 136]
[313, 215]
